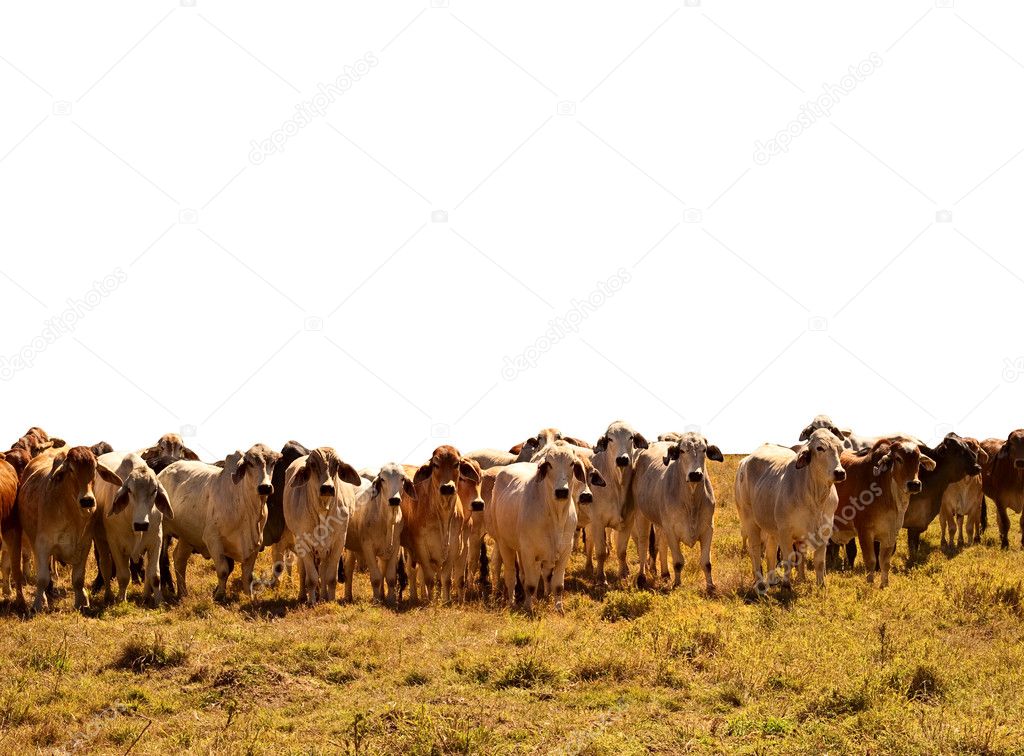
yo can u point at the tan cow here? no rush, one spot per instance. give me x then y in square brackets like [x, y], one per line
[171, 446]
[788, 499]
[1004, 480]
[319, 496]
[375, 531]
[220, 512]
[962, 504]
[672, 491]
[56, 503]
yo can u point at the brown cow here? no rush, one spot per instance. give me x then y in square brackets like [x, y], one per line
[169, 445]
[875, 495]
[1003, 480]
[432, 530]
[964, 501]
[8, 494]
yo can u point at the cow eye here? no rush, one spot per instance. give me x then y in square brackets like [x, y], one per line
[821, 448]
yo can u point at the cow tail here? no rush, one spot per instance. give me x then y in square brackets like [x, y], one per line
[485, 570]
[984, 513]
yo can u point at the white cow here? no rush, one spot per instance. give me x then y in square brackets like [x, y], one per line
[788, 499]
[673, 492]
[375, 531]
[220, 512]
[129, 524]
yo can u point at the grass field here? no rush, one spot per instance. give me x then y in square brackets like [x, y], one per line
[933, 664]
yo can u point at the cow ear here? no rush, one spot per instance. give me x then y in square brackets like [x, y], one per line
[532, 441]
[347, 473]
[806, 433]
[239, 472]
[58, 443]
[578, 472]
[803, 458]
[715, 454]
[301, 476]
[409, 488]
[884, 465]
[542, 469]
[467, 471]
[121, 499]
[671, 455]
[108, 475]
[163, 503]
[927, 463]
[150, 453]
[57, 469]
[422, 474]
[377, 484]
[983, 457]
[1003, 452]
[602, 443]
[596, 479]
[639, 441]
[189, 454]
[576, 441]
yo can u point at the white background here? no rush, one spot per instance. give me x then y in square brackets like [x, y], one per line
[818, 282]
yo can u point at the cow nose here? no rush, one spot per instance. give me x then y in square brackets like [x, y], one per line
[586, 498]
[696, 476]
[141, 527]
[327, 490]
[839, 475]
[562, 493]
[395, 501]
[87, 502]
[914, 486]
[478, 505]
[447, 489]
[264, 489]
[622, 460]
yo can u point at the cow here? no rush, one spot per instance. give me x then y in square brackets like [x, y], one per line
[8, 495]
[532, 517]
[488, 458]
[129, 524]
[275, 532]
[319, 496]
[788, 500]
[431, 522]
[672, 492]
[169, 445]
[100, 448]
[528, 449]
[614, 455]
[954, 460]
[220, 512]
[963, 501]
[874, 497]
[1004, 480]
[470, 513]
[375, 531]
[56, 503]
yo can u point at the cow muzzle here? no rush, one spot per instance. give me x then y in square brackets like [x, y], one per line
[914, 486]
[140, 527]
[562, 493]
[622, 460]
[394, 501]
[477, 505]
[264, 489]
[839, 475]
[586, 498]
[447, 489]
[87, 502]
[327, 490]
[695, 477]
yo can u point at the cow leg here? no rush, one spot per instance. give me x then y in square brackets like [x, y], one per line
[753, 539]
[705, 559]
[531, 580]
[78, 581]
[42, 576]
[660, 554]
[329, 576]
[1004, 525]
[310, 579]
[642, 529]
[376, 577]
[105, 563]
[867, 547]
[959, 531]
[223, 567]
[945, 518]
[350, 569]
[277, 554]
[12, 546]
[152, 577]
[391, 578]
[886, 553]
[166, 580]
[248, 566]
[819, 566]
[506, 562]
[913, 543]
[600, 554]
[558, 583]
[588, 550]
[771, 553]
[181, 554]
[622, 548]
[677, 558]
[123, 574]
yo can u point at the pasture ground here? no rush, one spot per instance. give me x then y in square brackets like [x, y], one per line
[933, 664]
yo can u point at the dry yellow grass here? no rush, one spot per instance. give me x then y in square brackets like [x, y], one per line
[930, 665]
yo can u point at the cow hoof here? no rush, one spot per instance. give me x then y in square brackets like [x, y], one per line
[641, 582]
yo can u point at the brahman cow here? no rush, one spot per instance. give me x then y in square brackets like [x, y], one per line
[471, 514]
[56, 503]
[375, 531]
[488, 458]
[275, 533]
[319, 496]
[8, 514]
[788, 500]
[672, 492]
[963, 504]
[874, 497]
[220, 512]
[1004, 480]
[532, 518]
[169, 445]
[129, 524]
[432, 526]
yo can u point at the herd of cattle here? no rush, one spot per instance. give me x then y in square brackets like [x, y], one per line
[452, 521]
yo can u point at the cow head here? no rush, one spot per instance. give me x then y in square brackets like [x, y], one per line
[1013, 449]
[954, 457]
[390, 483]
[903, 460]
[324, 467]
[562, 473]
[143, 492]
[445, 468]
[821, 454]
[621, 443]
[689, 453]
[18, 459]
[593, 478]
[76, 468]
[824, 421]
[469, 490]
[170, 445]
[255, 467]
[529, 448]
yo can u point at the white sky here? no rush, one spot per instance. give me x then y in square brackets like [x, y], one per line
[752, 291]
